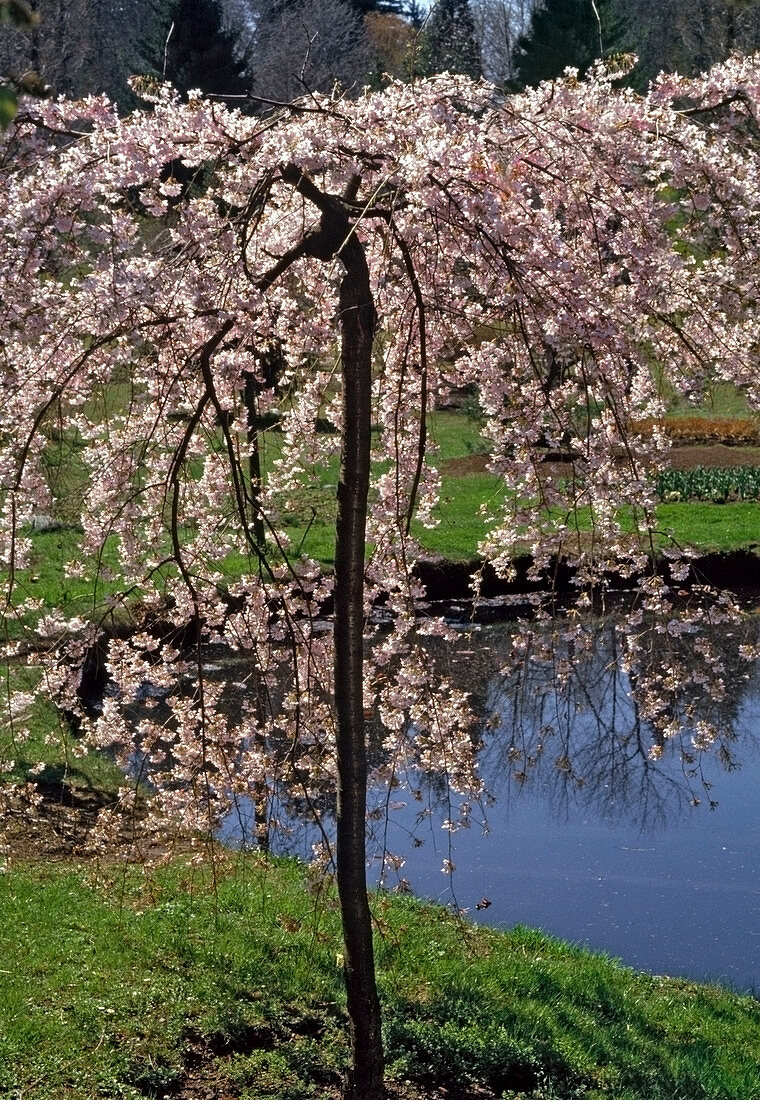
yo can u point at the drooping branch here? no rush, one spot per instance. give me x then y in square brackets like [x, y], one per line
[422, 325]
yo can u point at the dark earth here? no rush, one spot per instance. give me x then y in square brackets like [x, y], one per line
[679, 458]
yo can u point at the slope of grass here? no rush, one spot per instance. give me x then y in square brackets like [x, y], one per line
[115, 985]
[462, 524]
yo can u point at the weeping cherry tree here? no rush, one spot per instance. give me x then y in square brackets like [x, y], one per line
[548, 249]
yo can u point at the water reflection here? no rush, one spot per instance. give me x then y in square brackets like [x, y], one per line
[594, 836]
[596, 827]
[568, 722]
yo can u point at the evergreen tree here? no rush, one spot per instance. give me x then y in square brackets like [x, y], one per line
[19, 15]
[200, 52]
[388, 7]
[79, 47]
[415, 12]
[565, 33]
[690, 36]
[449, 42]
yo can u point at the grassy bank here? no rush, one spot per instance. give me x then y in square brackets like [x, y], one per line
[706, 527]
[116, 985]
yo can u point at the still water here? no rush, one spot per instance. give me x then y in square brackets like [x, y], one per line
[679, 898]
[593, 841]
[623, 861]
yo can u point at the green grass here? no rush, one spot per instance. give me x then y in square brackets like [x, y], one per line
[718, 399]
[462, 523]
[117, 985]
[309, 525]
[42, 735]
[461, 527]
[465, 498]
[704, 526]
[45, 579]
[455, 434]
[710, 527]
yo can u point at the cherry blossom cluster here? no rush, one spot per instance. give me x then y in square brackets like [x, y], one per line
[563, 251]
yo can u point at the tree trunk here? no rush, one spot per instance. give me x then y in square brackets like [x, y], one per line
[335, 237]
[357, 315]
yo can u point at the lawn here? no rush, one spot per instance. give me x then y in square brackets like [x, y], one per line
[469, 493]
[188, 984]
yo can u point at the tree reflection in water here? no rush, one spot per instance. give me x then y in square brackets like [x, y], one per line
[568, 717]
[576, 770]
[565, 708]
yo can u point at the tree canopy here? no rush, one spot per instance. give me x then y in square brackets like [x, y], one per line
[547, 249]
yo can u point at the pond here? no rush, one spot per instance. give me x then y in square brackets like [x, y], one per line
[592, 840]
[623, 861]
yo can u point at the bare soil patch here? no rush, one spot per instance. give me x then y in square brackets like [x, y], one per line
[60, 826]
[465, 465]
[716, 454]
[684, 457]
[56, 829]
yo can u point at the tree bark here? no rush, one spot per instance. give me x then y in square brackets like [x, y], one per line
[357, 316]
[335, 238]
